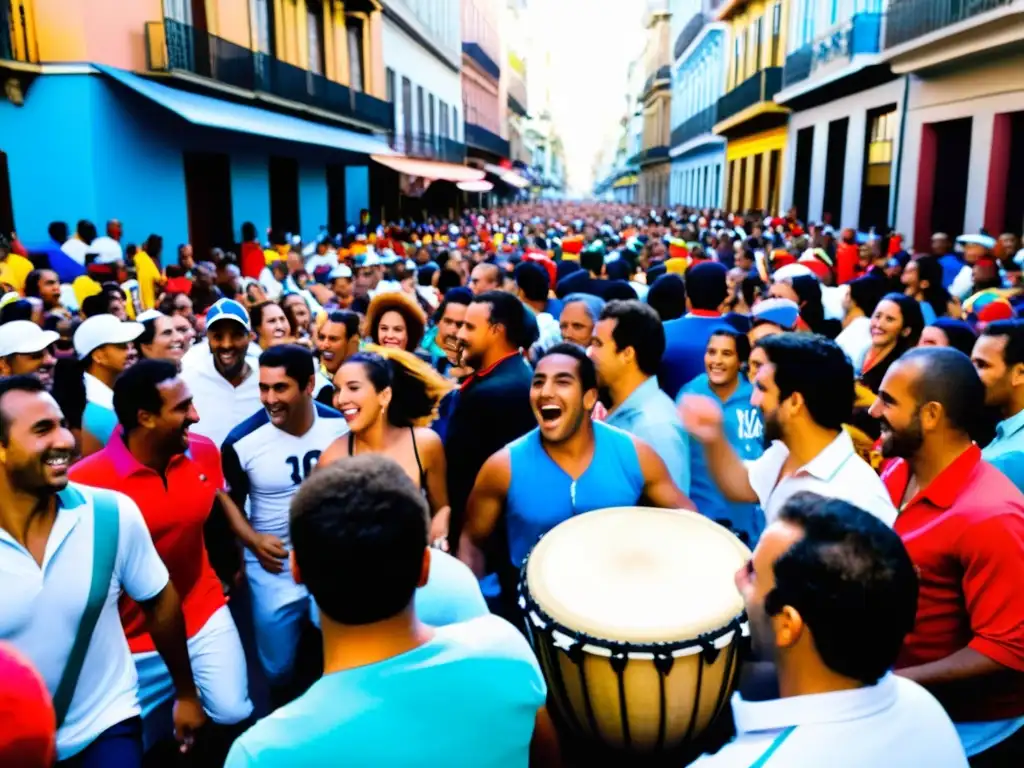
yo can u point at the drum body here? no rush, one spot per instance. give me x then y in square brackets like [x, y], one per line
[636, 620]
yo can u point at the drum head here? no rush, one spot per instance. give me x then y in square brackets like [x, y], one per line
[638, 574]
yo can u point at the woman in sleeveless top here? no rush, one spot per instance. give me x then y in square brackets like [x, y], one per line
[388, 397]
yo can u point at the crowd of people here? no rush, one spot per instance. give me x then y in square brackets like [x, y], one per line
[271, 506]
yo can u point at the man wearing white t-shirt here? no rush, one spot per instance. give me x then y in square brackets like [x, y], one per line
[830, 593]
[66, 554]
[805, 393]
[265, 459]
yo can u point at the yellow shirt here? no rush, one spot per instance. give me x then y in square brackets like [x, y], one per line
[148, 275]
[13, 271]
[84, 287]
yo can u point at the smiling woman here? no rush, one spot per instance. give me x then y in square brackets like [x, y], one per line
[161, 339]
[270, 324]
[395, 320]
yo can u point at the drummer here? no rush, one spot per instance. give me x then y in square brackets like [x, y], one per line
[830, 593]
[569, 464]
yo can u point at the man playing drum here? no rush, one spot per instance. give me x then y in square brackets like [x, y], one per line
[568, 465]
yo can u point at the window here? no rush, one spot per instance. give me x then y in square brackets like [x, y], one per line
[315, 37]
[389, 85]
[879, 150]
[430, 115]
[421, 123]
[833, 12]
[354, 30]
[262, 14]
[442, 113]
[807, 18]
[755, 63]
[456, 131]
[776, 59]
[407, 107]
[741, 41]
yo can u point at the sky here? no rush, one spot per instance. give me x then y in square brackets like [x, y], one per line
[591, 43]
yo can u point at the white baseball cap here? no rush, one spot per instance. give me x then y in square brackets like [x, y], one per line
[23, 337]
[100, 330]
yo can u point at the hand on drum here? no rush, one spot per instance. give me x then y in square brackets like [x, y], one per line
[701, 417]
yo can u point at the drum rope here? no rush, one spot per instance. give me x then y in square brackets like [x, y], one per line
[618, 661]
[663, 664]
[576, 657]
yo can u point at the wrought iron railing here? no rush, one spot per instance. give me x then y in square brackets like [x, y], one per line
[481, 138]
[185, 48]
[664, 72]
[17, 42]
[910, 19]
[652, 155]
[858, 35]
[696, 125]
[429, 147]
[758, 88]
[517, 93]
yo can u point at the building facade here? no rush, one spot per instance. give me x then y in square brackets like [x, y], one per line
[842, 139]
[515, 33]
[656, 98]
[963, 129]
[191, 118]
[698, 77]
[481, 82]
[748, 118]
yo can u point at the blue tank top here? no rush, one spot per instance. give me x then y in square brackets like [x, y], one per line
[541, 495]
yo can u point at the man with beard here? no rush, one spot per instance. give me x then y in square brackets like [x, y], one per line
[221, 375]
[173, 477]
[265, 459]
[805, 393]
[830, 594]
[492, 407]
[66, 554]
[963, 524]
[26, 349]
[567, 465]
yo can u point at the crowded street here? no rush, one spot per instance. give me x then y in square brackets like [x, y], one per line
[692, 438]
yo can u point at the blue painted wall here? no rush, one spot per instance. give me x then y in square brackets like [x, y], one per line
[312, 197]
[250, 191]
[357, 191]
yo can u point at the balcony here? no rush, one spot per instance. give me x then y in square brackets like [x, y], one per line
[17, 42]
[177, 47]
[664, 73]
[859, 35]
[697, 125]
[479, 41]
[912, 19]
[517, 93]
[649, 156]
[756, 89]
[479, 137]
[688, 34]
[428, 147]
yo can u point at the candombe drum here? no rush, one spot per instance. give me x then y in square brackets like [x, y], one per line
[636, 620]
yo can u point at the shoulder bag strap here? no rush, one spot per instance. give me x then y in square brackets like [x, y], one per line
[763, 759]
[106, 529]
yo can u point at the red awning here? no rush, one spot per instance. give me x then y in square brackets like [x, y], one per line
[429, 169]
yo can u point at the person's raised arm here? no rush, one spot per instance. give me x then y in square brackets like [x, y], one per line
[659, 488]
[702, 417]
[483, 510]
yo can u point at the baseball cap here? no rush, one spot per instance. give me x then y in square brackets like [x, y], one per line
[228, 309]
[100, 330]
[341, 271]
[781, 312]
[23, 337]
[29, 735]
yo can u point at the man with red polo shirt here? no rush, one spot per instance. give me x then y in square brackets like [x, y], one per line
[962, 522]
[174, 477]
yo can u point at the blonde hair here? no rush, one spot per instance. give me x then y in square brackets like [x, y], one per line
[416, 387]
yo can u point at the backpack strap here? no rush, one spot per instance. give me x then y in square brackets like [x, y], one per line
[105, 532]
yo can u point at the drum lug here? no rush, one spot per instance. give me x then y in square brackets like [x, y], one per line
[709, 652]
[663, 662]
[618, 661]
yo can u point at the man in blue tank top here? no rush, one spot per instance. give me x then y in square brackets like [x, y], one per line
[568, 465]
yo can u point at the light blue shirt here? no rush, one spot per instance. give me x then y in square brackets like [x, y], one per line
[466, 698]
[744, 429]
[650, 414]
[1009, 438]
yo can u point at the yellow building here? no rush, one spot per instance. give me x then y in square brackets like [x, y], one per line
[753, 125]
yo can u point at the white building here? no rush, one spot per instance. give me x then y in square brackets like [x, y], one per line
[698, 80]
[843, 135]
[422, 44]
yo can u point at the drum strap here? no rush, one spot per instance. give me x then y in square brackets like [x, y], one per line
[763, 759]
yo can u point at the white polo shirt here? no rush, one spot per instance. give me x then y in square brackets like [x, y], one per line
[837, 472]
[893, 724]
[221, 407]
[41, 607]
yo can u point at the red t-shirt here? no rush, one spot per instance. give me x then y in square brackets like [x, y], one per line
[965, 535]
[252, 260]
[175, 515]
